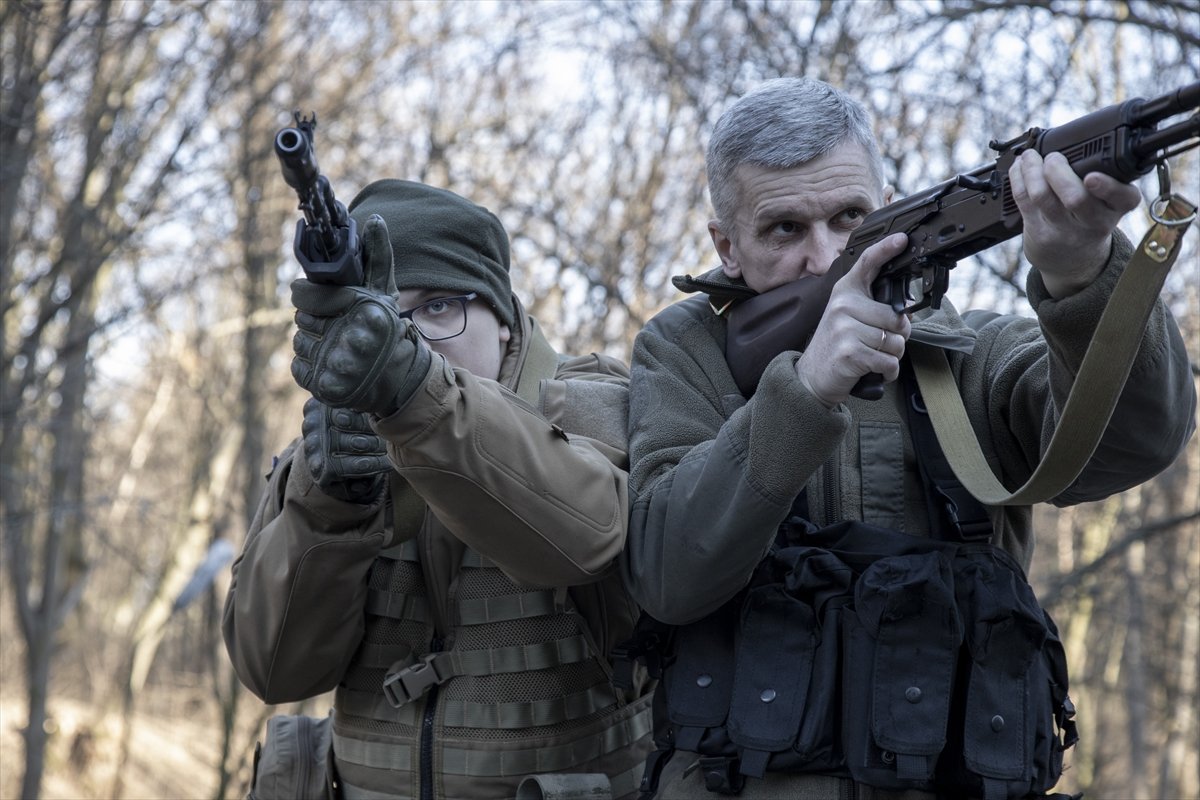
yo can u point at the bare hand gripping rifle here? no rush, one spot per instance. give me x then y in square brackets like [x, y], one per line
[962, 216]
[326, 243]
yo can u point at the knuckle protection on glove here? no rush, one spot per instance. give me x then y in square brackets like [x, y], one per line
[342, 417]
[345, 457]
[356, 442]
[361, 443]
[310, 323]
[301, 372]
[304, 345]
[356, 357]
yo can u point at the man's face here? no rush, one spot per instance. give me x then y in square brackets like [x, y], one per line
[479, 349]
[792, 223]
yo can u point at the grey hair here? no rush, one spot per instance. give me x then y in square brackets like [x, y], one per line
[781, 124]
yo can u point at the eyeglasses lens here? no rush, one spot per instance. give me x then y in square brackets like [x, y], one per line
[441, 319]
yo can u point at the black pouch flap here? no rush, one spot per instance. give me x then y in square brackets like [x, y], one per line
[774, 665]
[907, 604]
[699, 683]
[1005, 632]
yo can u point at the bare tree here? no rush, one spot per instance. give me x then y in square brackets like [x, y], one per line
[143, 220]
[95, 179]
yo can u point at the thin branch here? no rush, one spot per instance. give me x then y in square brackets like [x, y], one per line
[1057, 589]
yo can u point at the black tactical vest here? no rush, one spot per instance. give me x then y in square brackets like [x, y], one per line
[902, 662]
[898, 661]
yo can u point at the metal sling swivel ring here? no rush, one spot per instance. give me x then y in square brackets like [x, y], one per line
[1159, 207]
[1172, 214]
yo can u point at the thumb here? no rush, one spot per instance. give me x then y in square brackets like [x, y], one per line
[378, 269]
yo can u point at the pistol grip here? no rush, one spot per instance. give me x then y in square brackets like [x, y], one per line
[869, 387]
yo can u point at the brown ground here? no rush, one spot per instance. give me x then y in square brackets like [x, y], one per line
[173, 755]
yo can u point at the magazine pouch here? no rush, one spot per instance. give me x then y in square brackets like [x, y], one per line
[1017, 717]
[700, 682]
[902, 647]
[774, 665]
[293, 763]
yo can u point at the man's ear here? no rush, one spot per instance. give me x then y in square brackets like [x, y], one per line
[889, 194]
[724, 247]
[505, 335]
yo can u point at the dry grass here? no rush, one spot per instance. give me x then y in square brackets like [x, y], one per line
[173, 755]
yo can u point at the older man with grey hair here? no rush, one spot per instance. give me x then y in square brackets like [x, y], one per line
[835, 631]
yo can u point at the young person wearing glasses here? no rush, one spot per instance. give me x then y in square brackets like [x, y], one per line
[438, 547]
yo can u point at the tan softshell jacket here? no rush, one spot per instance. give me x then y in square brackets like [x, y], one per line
[713, 473]
[495, 501]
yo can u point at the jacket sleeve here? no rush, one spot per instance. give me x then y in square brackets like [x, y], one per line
[294, 613]
[711, 474]
[548, 507]
[1023, 370]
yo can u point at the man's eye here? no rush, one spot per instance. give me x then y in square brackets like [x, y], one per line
[435, 307]
[852, 216]
[786, 227]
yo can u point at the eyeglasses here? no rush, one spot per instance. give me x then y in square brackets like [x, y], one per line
[440, 318]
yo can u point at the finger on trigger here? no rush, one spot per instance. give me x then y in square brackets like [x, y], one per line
[877, 255]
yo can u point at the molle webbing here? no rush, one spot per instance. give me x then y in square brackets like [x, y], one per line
[373, 705]
[529, 714]
[473, 560]
[398, 756]
[494, 661]
[620, 785]
[507, 607]
[396, 606]
[523, 689]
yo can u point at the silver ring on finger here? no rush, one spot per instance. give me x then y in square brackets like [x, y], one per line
[882, 339]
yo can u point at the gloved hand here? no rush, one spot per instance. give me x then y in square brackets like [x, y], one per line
[346, 458]
[352, 349]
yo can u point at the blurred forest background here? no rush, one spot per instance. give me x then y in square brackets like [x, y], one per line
[145, 232]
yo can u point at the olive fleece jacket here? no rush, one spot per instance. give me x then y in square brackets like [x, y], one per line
[540, 492]
[713, 474]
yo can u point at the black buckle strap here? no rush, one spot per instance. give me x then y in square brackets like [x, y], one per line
[964, 514]
[648, 644]
[406, 682]
[655, 762]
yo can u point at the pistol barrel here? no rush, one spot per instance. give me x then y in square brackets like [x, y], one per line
[296, 159]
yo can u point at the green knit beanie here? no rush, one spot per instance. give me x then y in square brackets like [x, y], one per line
[441, 241]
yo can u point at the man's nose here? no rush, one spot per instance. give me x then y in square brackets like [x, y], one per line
[823, 246]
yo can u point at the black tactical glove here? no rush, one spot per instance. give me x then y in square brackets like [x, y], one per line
[346, 458]
[352, 349]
